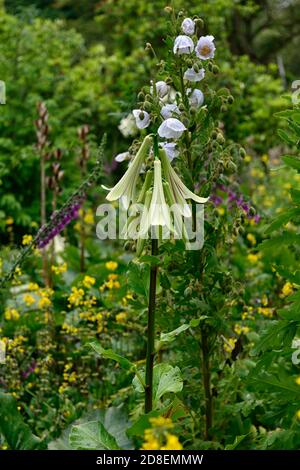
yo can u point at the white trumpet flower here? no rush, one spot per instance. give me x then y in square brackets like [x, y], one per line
[125, 189]
[171, 128]
[180, 192]
[159, 212]
[142, 118]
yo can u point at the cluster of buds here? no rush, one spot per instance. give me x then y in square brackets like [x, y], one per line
[59, 220]
[53, 181]
[42, 128]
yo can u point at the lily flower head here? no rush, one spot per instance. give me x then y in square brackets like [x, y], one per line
[125, 189]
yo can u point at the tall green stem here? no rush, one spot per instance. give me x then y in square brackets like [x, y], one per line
[151, 332]
[206, 384]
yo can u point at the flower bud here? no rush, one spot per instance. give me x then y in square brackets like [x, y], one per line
[181, 107]
[252, 211]
[147, 106]
[141, 96]
[168, 9]
[242, 152]
[214, 134]
[210, 66]
[199, 23]
[215, 69]
[230, 99]
[224, 108]
[220, 139]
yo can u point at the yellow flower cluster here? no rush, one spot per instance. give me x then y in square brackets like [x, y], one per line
[241, 330]
[60, 269]
[111, 283]
[94, 318]
[11, 314]
[76, 297]
[28, 300]
[121, 317]
[266, 311]
[70, 377]
[70, 329]
[253, 258]
[16, 344]
[158, 437]
[287, 289]
[251, 238]
[88, 282]
[27, 239]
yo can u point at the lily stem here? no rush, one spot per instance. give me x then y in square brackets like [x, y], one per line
[151, 332]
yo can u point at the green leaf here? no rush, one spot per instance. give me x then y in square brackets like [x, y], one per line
[236, 442]
[282, 219]
[169, 337]
[92, 436]
[138, 278]
[295, 194]
[110, 354]
[292, 161]
[17, 433]
[287, 137]
[166, 379]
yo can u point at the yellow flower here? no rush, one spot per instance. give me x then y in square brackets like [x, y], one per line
[264, 300]
[28, 299]
[239, 329]
[247, 158]
[44, 302]
[230, 344]
[121, 317]
[75, 298]
[160, 421]
[33, 286]
[69, 329]
[11, 314]
[113, 277]
[265, 158]
[266, 311]
[27, 239]
[172, 443]
[62, 268]
[297, 380]
[111, 265]
[298, 414]
[88, 281]
[89, 217]
[151, 443]
[251, 238]
[287, 289]
[9, 221]
[221, 210]
[253, 258]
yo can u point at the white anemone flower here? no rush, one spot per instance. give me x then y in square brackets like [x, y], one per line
[188, 26]
[142, 118]
[126, 187]
[180, 192]
[196, 98]
[171, 128]
[183, 45]
[205, 47]
[171, 149]
[121, 157]
[159, 212]
[193, 76]
[162, 89]
[168, 110]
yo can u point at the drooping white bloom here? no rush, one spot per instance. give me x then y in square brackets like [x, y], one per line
[162, 89]
[126, 187]
[196, 98]
[158, 213]
[180, 192]
[168, 110]
[188, 26]
[183, 45]
[127, 126]
[121, 157]
[142, 118]
[193, 76]
[171, 128]
[171, 149]
[205, 47]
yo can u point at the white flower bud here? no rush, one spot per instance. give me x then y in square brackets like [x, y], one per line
[171, 149]
[121, 157]
[188, 26]
[162, 89]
